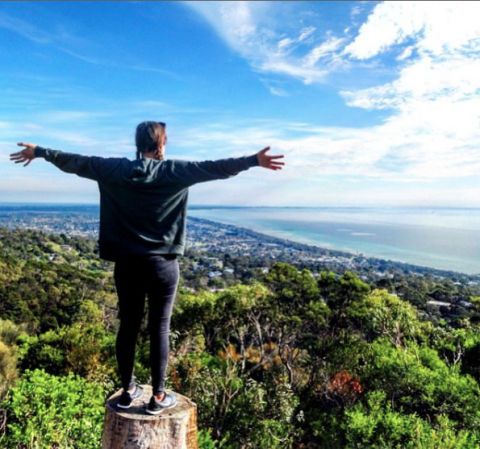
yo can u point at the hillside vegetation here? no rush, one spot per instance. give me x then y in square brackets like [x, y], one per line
[283, 360]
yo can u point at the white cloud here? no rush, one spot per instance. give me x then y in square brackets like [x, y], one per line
[437, 27]
[456, 76]
[252, 30]
[413, 155]
[288, 43]
[406, 53]
[277, 91]
[326, 49]
[390, 23]
[435, 99]
[323, 165]
[248, 28]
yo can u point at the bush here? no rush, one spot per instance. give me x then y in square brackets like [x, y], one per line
[416, 379]
[377, 426]
[205, 440]
[46, 411]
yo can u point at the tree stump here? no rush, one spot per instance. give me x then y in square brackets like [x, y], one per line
[134, 428]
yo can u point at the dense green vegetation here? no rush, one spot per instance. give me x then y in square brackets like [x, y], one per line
[285, 359]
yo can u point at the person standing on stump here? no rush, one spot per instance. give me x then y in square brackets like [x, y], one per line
[143, 205]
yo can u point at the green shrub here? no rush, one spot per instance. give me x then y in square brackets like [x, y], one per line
[46, 411]
[416, 379]
[374, 424]
[205, 441]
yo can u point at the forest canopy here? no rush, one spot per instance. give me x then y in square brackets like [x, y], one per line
[287, 359]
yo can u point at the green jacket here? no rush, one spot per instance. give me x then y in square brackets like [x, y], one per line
[143, 203]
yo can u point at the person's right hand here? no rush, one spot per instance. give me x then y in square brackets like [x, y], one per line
[26, 155]
[265, 160]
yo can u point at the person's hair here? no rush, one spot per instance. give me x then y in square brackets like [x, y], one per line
[148, 136]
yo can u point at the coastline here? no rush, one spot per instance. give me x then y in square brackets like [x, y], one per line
[315, 249]
[439, 247]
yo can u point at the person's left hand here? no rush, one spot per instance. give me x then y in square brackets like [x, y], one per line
[26, 155]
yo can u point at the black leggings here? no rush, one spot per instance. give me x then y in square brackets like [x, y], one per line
[157, 278]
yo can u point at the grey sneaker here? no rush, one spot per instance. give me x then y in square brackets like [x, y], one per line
[126, 398]
[155, 406]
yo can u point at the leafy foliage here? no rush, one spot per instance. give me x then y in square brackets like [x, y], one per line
[292, 359]
[375, 424]
[46, 411]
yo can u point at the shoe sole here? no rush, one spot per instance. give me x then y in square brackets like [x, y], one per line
[124, 406]
[156, 412]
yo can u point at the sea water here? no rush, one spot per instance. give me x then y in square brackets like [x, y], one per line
[444, 238]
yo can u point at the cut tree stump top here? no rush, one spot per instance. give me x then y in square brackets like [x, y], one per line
[134, 428]
[137, 409]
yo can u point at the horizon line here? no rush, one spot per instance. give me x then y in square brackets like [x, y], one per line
[218, 206]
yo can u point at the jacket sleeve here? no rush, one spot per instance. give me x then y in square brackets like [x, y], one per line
[91, 167]
[188, 173]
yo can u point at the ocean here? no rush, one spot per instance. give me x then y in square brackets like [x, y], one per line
[444, 238]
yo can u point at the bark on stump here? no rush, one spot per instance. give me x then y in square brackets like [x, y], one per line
[133, 428]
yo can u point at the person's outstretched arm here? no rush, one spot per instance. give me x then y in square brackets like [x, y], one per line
[188, 173]
[91, 167]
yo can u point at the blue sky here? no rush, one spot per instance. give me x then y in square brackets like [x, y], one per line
[372, 103]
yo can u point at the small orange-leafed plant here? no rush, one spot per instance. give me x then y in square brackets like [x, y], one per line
[271, 355]
[252, 354]
[267, 355]
[342, 384]
[230, 353]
